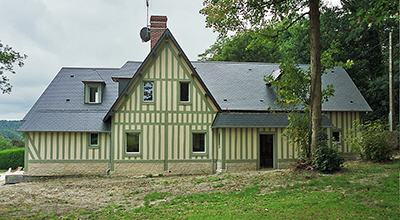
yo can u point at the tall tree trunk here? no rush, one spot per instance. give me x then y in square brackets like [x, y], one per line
[316, 94]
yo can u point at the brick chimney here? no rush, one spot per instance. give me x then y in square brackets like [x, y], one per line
[158, 24]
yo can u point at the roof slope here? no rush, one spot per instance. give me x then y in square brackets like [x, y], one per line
[240, 86]
[257, 120]
[62, 107]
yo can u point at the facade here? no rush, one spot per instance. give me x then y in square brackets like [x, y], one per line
[168, 115]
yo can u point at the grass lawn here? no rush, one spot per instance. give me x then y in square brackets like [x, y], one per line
[361, 190]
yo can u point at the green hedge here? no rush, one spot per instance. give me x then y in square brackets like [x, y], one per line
[12, 158]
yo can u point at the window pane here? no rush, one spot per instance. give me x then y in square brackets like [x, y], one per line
[336, 136]
[199, 142]
[94, 137]
[148, 91]
[93, 94]
[184, 92]
[132, 142]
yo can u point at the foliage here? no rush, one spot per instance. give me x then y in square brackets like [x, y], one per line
[8, 58]
[298, 133]
[5, 144]
[8, 129]
[370, 141]
[327, 159]
[12, 158]
[17, 143]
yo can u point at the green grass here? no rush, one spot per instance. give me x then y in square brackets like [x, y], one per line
[360, 191]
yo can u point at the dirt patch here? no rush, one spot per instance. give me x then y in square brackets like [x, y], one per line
[63, 195]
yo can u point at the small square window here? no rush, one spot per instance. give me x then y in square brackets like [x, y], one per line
[148, 91]
[184, 92]
[198, 142]
[336, 136]
[94, 139]
[132, 143]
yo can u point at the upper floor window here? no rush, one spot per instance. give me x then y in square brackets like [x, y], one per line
[93, 93]
[184, 92]
[148, 91]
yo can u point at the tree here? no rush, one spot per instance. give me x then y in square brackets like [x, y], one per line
[8, 58]
[232, 15]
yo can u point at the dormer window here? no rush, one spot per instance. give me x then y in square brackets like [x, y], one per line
[93, 93]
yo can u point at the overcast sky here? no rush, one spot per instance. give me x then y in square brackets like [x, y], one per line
[86, 33]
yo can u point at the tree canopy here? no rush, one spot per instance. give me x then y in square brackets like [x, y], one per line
[8, 58]
[358, 31]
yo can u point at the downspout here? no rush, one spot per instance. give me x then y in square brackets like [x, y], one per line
[212, 152]
[109, 157]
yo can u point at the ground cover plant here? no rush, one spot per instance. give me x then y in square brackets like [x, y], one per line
[360, 190]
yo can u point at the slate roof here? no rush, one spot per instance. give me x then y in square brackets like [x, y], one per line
[240, 86]
[61, 107]
[257, 120]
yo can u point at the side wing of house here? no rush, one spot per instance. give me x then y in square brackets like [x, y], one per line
[162, 121]
[64, 131]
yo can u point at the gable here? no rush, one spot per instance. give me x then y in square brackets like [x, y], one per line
[166, 66]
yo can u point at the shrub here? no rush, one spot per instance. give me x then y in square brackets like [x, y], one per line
[12, 158]
[327, 159]
[371, 141]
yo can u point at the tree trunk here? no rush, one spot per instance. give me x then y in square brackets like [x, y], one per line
[316, 94]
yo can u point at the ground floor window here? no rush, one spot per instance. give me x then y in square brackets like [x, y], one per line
[199, 142]
[94, 139]
[132, 143]
[336, 136]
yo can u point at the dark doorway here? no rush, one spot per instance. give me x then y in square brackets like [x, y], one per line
[266, 151]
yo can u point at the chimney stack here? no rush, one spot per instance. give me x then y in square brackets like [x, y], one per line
[158, 24]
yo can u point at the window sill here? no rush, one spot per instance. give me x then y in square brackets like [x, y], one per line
[132, 154]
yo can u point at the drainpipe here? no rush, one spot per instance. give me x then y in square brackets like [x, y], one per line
[212, 152]
[109, 157]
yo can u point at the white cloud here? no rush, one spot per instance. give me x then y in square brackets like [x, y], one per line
[90, 33]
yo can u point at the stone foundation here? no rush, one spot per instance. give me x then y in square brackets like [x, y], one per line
[65, 169]
[286, 164]
[137, 169]
[189, 168]
[240, 167]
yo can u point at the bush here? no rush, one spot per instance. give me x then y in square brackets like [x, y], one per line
[327, 159]
[12, 158]
[371, 141]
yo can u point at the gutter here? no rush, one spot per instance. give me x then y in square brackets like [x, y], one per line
[109, 157]
[212, 152]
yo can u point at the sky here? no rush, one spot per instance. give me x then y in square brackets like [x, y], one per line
[89, 33]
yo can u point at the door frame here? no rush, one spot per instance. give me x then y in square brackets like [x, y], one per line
[274, 148]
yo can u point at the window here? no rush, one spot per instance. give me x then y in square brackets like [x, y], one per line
[93, 94]
[94, 139]
[148, 91]
[132, 143]
[184, 92]
[336, 136]
[198, 142]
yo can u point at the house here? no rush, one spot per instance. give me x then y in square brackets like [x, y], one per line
[169, 115]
